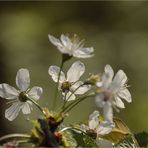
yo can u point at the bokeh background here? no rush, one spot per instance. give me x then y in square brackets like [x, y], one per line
[117, 30]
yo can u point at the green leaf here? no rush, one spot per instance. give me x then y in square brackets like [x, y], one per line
[128, 142]
[83, 140]
[142, 139]
[121, 135]
[118, 133]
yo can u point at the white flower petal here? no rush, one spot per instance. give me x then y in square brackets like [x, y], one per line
[75, 71]
[119, 80]
[125, 94]
[99, 84]
[108, 112]
[118, 102]
[83, 52]
[66, 41]
[12, 112]
[81, 89]
[26, 109]
[107, 76]
[100, 100]
[93, 120]
[23, 79]
[35, 92]
[54, 73]
[105, 128]
[55, 41]
[8, 92]
[69, 96]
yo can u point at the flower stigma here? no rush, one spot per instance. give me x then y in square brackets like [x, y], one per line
[23, 97]
[66, 86]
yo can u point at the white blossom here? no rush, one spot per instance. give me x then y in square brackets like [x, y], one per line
[72, 47]
[113, 90]
[70, 84]
[18, 98]
[100, 128]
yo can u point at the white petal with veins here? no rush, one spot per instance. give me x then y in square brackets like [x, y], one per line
[69, 96]
[23, 79]
[35, 92]
[26, 109]
[75, 71]
[12, 112]
[79, 89]
[125, 94]
[93, 120]
[66, 41]
[8, 92]
[54, 73]
[119, 81]
[118, 102]
[107, 76]
[105, 128]
[83, 52]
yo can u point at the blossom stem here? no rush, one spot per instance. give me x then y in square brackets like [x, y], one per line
[57, 84]
[74, 91]
[73, 128]
[10, 137]
[36, 104]
[73, 104]
[66, 100]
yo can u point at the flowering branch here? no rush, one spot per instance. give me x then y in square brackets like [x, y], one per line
[49, 130]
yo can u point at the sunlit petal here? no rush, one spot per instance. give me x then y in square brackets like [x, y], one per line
[8, 92]
[84, 52]
[23, 79]
[12, 112]
[79, 89]
[69, 96]
[26, 108]
[94, 120]
[35, 92]
[76, 71]
[105, 128]
[119, 81]
[107, 76]
[125, 94]
[118, 102]
[54, 73]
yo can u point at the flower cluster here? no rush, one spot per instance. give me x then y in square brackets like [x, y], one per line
[107, 91]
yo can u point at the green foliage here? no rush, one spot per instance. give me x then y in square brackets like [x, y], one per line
[83, 140]
[120, 132]
[142, 139]
[121, 135]
[128, 142]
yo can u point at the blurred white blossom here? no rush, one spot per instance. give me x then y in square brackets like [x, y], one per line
[112, 90]
[70, 84]
[18, 98]
[94, 126]
[72, 47]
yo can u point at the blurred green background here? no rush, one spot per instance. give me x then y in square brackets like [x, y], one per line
[117, 30]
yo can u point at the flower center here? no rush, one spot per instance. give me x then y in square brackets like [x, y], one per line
[66, 86]
[107, 95]
[92, 133]
[23, 97]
